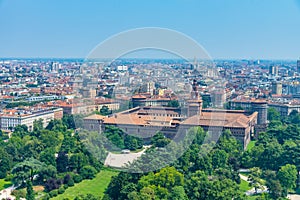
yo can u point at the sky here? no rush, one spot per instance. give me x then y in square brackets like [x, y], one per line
[227, 29]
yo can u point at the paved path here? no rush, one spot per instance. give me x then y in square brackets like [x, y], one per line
[120, 160]
[252, 191]
[6, 193]
[294, 196]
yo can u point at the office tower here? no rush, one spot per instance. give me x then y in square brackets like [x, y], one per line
[277, 88]
[273, 70]
[298, 66]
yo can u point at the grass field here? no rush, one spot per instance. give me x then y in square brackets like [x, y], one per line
[95, 186]
[251, 145]
[244, 186]
[4, 184]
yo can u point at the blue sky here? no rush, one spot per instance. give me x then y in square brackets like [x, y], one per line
[251, 29]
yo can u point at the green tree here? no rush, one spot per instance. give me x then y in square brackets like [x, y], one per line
[197, 186]
[118, 183]
[273, 114]
[29, 191]
[287, 176]
[57, 125]
[48, 156]
[77, 161]
[219, 159]
[5, 163]
[159, 140]
[38, 125]
[167, 177]
[26, 170]
[173, 103]
[88, 172]
[178, 193]
[51, 139]
[62, 162]
[46, 173]
[255, 178]
[105, 110]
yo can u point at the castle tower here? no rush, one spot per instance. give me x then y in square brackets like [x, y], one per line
[262, 108]
[195, 102]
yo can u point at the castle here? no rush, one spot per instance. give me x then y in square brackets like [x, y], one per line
[146, 121]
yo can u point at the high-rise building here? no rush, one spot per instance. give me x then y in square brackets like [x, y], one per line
[149, 88]
[277, 88]
[298, 66]
[273, 70]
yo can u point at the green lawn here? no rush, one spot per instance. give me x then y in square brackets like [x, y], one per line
[96, 186]
[4, 184]
[251, 145]
[244, 186]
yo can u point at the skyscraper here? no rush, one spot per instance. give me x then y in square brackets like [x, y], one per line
[273, 70]
[277, 88]
[298, 66]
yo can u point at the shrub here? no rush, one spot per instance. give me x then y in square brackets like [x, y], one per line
[52, 184]
[77, 178]
[88, 172]
[53, 193]
[9, 177]
[66, 186]
[68, 180]
[61, 190]
[71, 182]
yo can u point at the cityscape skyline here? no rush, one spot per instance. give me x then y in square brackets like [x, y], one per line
[227, 30]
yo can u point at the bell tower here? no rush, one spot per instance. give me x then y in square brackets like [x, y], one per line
[195, 102]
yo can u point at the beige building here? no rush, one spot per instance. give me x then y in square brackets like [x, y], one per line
[277, 88]
[9, 119]
[148, 120]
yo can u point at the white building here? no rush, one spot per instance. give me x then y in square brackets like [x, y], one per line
[9, 120]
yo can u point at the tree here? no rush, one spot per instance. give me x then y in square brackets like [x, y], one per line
[273, 114]
[62, 162]
[56, 125]
[20, 131]
[88, 172]
[132, 143]
[287, 176]
[51, 139]
[46, 172]
[255, 179]
[77, 161]
[271, 156]
[68, 120]
[178, 193]
[173, 103]
[29, 191]
[159, 140]
[219, 159]
[26, 170]
[38, 125]
[5, 163]
[119, 182]
[52, 184]
[105, 110]
[127, 189]
[48, 156]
